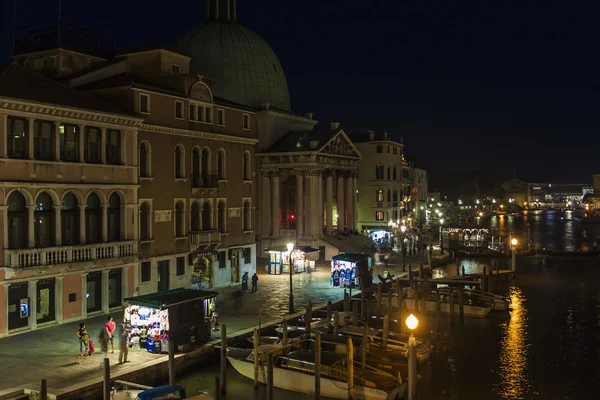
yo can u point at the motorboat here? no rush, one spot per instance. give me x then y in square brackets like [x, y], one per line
[124, 390]
[473, 305]
[295, 371]
[501, 303]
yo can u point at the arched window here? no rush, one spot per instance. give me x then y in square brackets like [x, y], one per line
[247, 170]
[114, 218]
[196, 181]
[93, 219]
[206, 217]
[179, 219]
[221, 217]
[247, 216]
[145, 222]
[205, 167]
[221, 162]
[69, 220]
[395, 173]
[17, 221]
[144, 161]
[379, 172]
[179, 162]
[44, 221]
[195, 217]
[389, 174]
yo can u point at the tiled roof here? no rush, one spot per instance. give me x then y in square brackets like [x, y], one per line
[300, 141]
[149, 47]
[18, 83]
[127, 79]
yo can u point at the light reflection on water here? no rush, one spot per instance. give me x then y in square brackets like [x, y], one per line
[513, 364]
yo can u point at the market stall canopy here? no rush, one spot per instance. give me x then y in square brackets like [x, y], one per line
[170, 298]
[350, 257]
[283, 249]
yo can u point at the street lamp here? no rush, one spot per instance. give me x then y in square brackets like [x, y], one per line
[290, 247]
[514, 256]
[412, 323]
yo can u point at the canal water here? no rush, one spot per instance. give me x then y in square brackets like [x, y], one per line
[547, 347]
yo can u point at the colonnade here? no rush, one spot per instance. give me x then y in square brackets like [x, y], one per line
[314, 200]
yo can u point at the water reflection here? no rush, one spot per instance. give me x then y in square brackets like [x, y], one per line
[513, 367]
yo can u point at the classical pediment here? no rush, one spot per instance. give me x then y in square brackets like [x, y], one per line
[340, 145]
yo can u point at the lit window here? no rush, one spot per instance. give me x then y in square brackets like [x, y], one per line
[379, 195]
[379, 216]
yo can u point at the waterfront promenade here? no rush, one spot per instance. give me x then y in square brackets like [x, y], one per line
[50, 353]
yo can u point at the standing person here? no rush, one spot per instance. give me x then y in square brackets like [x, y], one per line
[215, 319]
[127, 313]
[245, 282]
[84, 338]
[254, 283]
[124, 332]
[430, 249]
[103, 339]
[110, 327]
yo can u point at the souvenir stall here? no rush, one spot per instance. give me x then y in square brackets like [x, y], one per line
[179, 315]
[303, 259]
[466, 239]
[348, 270]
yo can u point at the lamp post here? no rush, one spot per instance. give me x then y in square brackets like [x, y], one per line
[290, 247]
[412, 323]
[514, 257]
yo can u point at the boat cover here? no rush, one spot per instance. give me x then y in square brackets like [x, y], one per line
[161, 391]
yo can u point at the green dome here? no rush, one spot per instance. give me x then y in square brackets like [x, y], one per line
[242, 66]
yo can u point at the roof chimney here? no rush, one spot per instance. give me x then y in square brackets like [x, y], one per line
[371, 135]
[334, 125]
[309, 115]
[266, 106]
[385, 134]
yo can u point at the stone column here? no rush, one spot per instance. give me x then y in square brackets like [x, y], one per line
[310, 209]
[320, 202]
[32, 294]
[57, 139]
[82, 235]
[30, 143]
[125, 282]
[340, 202]
[328, 202]
[81, 142]
[58, 299]
[265, 203]
[299, 203]
[349, 203]
[57, 226]
[5, 140]
[4, 312]
[275, 203]
[104, 288]
[354, 203]
[104, 223]
[31, 226]
[103, 145]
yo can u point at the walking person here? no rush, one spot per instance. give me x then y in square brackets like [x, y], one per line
[110, 327]
[103, 339]
[245, 282]
[124, 332]
[84, 338]
[215, 319]
[254, 283]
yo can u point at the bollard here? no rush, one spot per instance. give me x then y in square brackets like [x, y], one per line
[318, 367]
[223, 358]
[285, 332]
[270, 377]
[171, 363]
[216, 389]
[106, 379]
[256, 357]
[43, 390]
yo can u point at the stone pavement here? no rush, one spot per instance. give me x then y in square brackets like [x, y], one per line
[50, 353]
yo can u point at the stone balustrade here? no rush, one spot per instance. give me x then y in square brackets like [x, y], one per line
[69, 254]
[205, 237]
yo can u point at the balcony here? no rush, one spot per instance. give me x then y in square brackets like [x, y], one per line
[204, 238]
[68, 254]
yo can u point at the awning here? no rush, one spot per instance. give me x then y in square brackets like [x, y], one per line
[162, 300]
[350, 257]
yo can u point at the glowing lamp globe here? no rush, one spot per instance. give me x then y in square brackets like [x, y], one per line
[290, 247]
[412, 322]
[403, 228]
[514, 242]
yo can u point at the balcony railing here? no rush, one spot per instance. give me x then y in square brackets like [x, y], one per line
[198, 238]
[69, 254]
[205, 181]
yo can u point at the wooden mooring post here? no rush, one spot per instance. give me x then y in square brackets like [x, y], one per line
[284, 326]
[362, 301]
[106, 379]
[318, 367]
[350, 369]
[386, 329]
[43, 390]
[256, 357]
[336, 322]
[401, 309]
[216, 389]
[270, 377]
[308, 318]
[171, 363]
[329, 311]
[438, 307]
[483, 286]
[223, 358]
[421, 276]
[365, 343]
[461, 305]
[463, 272]
[389, 301]
[379, 298]
[452, 313]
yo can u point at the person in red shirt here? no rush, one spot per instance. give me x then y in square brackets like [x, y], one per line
[110, 327]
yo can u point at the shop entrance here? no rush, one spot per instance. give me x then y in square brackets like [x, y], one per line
[115, 287]
[18, 306]
[235, 267]
[94, 292]
[163, 275]
[45, 300]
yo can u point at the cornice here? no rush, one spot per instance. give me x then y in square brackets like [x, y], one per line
[282, 115]
[65, 114]
[196, 134]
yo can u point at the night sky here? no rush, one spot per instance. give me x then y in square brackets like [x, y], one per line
[505, 87]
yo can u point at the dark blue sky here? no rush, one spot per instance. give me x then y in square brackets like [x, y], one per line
[486, 85]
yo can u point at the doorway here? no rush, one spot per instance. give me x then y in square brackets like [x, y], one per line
[115, 283]
[17, 295]
[235, 267]
[45, 300]
[93, 297]
[163, 275]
